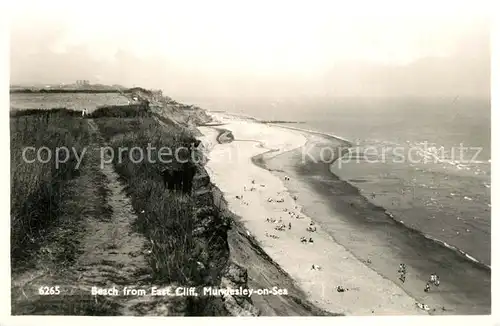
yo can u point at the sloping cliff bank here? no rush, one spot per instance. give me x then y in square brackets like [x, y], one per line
[211, 224]
[229, 256]
[218, 270]
[170, 111]
[245, 264]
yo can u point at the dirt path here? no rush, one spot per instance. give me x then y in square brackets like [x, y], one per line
[109, 252]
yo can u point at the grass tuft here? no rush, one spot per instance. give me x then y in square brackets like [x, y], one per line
[37, 188]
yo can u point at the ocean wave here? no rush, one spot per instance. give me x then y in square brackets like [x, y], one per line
[440, 242]
[425, 235]
[456, 249]
[439, 155]
[321, 133]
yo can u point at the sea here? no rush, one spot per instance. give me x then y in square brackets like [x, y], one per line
[426, 161]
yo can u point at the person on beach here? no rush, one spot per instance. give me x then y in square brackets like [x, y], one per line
[315, 267]
[402, 272]
[427, 287]
[434, 279]
[423, 306]
[289, 225]
[84, 113]
[311, 229]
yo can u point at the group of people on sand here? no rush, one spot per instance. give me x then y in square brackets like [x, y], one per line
[274, 236]
[316, 267]
[304, 240]
[433, 280]
[242, 201]
[402, 272]
[280, 225]
[311, 227]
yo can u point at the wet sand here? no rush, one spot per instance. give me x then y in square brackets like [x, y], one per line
[370, 234]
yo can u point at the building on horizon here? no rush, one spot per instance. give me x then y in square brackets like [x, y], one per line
[82, 82]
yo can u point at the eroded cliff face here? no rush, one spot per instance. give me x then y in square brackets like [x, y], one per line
[172, 112]
[217, 271]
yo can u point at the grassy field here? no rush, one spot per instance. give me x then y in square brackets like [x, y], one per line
[37, 189]
[73, 101]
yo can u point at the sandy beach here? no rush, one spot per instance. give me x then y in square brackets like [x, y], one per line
[256, 195]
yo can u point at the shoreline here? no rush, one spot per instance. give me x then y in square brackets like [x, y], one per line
[346, 144]
[260, 159]
[444, 244]
[366, 292]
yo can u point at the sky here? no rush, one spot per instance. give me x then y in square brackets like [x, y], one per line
[245, 48]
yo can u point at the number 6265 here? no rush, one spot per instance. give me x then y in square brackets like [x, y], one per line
[46, 290]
